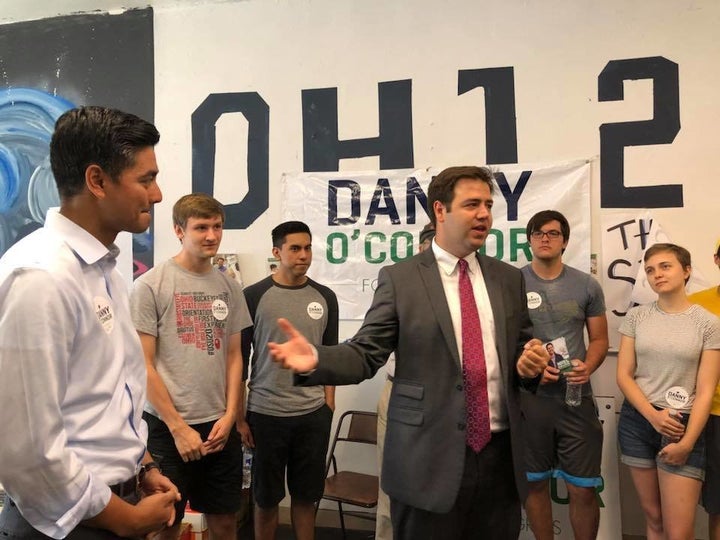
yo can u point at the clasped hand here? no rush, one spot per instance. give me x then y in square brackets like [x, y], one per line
[533, 360]
[190, 445]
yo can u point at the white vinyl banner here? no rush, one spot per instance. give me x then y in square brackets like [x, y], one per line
[362, 221]
[625, 238]
[608, 493]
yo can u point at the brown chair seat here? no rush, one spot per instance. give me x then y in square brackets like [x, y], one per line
[351, 487]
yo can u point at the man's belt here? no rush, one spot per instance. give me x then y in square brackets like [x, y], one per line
[125, 488]
[131, 485]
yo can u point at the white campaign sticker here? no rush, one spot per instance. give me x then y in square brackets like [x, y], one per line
[315, 310]
[104, 313]
[677, 397]
[219, 310]
[533, 300]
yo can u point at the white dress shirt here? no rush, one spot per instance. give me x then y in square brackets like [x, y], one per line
[449, 274]
[72, 377]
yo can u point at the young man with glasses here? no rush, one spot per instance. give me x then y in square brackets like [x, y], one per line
[563, 441]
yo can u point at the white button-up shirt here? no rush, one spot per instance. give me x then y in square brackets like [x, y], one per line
[449, 274]
[72, 377]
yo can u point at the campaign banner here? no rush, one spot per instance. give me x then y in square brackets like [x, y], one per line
[362, 221]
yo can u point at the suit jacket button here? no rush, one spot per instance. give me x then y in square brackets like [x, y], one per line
[461, 426]
[458, 387]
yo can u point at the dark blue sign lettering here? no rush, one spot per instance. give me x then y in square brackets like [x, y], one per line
[662, 129]
[414, 192]
[322, 148]
[500, 121]
[512, 196]
[354, 187]
[383, 191]
[257, 113]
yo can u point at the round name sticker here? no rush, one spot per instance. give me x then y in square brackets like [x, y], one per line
[219, 310]
[677, 397]
[533, 300]
[315, 310]
[104, 313]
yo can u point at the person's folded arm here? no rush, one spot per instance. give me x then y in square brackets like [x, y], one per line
[661, 420]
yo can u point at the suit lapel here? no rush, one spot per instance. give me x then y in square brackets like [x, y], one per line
[430, 275]
[494, 286]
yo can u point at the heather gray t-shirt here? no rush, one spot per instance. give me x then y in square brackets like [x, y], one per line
[312, 308]
[559, 308]
[667, 350]
[192, 316]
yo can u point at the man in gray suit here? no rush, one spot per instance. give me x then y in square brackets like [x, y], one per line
[442, 483]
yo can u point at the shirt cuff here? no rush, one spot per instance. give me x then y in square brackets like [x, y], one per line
[310, 372]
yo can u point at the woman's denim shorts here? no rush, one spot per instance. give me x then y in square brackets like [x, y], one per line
[640, 444]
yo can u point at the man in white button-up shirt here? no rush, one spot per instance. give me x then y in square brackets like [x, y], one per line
[72, 376]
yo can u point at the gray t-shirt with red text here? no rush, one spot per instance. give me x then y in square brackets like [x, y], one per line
[192, 316]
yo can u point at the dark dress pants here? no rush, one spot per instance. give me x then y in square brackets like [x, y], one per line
[13, 526]
[487, 506]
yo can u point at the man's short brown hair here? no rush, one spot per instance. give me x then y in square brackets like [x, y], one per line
[197, 205]
[442, 187]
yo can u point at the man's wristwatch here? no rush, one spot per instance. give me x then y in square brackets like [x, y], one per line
[146, 468]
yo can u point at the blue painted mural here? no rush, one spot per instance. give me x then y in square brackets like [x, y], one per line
[27, 186]
[47, 67]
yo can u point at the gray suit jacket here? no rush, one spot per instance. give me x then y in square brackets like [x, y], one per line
[425, 441]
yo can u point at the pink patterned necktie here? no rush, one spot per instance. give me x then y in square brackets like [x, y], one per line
[474, 371]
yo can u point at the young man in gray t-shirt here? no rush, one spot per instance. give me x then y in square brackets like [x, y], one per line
[563, 441]
[189, 316]
[288, 425]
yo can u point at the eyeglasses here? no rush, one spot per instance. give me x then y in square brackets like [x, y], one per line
[552, 235]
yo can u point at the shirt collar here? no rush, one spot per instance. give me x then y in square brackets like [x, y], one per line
[448, 262]
[88, 248]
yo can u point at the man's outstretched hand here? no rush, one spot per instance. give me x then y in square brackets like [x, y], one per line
[296, 353]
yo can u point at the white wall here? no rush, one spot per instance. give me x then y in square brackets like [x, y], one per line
[557, 48]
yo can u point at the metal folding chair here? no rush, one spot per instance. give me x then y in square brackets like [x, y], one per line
[346, 486]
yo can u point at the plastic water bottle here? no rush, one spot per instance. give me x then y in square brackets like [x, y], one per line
[665, 440]
[573, 394]
[247, 467]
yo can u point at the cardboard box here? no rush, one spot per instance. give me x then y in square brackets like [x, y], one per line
[198, 524]
[185, 531]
